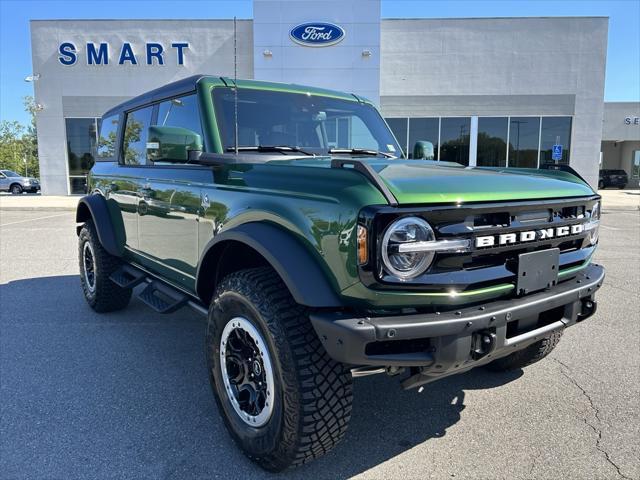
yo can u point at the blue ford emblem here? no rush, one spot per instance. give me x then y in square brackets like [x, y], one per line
[317, 34]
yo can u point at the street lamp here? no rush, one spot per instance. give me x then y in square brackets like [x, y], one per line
[518, 123]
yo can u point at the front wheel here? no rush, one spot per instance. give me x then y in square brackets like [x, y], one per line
[282, 398]
[16, 189]
[96, 265]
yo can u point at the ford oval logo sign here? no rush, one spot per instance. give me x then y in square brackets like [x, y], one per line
[317, 34]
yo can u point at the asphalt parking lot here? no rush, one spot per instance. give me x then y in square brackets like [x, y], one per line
[126, 395]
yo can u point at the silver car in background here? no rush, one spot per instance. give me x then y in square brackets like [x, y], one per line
[15, 183]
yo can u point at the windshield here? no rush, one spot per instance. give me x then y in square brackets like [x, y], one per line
[314, 123]
[9, 173]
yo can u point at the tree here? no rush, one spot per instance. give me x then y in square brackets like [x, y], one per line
[19, 145]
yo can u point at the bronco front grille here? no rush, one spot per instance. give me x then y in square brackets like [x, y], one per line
[489, 265]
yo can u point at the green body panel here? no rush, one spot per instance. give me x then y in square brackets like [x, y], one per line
[171, 212]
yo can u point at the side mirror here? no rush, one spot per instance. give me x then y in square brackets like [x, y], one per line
[172, 144]
[423, 150]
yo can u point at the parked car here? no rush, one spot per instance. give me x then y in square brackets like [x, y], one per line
[15, 183]
[613, 178]
[318, 257]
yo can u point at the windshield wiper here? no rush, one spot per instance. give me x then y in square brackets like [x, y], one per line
[271, 148]
[361, 151]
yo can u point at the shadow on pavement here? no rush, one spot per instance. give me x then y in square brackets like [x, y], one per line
[126, 395]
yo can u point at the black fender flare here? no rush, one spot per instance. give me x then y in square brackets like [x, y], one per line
[107, 219]
[298, 267]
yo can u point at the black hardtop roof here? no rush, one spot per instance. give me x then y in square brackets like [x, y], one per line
[173, 89]
[188, 85]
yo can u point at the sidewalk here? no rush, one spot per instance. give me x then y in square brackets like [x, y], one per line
[45, 203]
[620, 199]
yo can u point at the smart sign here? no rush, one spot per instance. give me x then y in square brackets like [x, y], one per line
[126, 54]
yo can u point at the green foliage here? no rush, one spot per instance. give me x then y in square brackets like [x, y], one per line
[19, 144]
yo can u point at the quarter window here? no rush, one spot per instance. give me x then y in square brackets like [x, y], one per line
[134, 142]
[108, 128]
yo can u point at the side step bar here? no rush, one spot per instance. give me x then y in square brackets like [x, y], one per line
[160, 296]
[127, 277]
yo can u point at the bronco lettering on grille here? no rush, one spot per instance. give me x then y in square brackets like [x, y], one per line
[528, 236]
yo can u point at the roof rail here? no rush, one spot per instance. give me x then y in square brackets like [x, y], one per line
[368, 171]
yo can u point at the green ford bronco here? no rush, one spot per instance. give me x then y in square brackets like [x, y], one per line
[290, 217]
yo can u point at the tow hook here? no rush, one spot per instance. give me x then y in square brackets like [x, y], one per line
[587, 309]
[482, 343]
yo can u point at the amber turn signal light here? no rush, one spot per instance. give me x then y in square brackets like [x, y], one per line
[363, 251]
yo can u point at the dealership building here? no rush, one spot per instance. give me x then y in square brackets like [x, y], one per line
[511, 92]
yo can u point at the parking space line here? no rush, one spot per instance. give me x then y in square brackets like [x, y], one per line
[35, 219]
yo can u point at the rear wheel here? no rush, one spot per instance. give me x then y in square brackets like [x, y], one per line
[16, 189]
[96, 265]
[531, 354]
[282, 398]
[600, 184]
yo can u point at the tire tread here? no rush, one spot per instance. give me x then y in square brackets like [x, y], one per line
[321, 391]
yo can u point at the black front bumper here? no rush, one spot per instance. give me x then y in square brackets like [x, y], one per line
[454, 341]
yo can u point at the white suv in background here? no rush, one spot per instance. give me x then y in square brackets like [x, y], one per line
[15, 183]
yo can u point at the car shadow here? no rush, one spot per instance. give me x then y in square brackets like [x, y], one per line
[126, 394]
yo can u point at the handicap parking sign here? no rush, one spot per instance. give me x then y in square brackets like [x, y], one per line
[556, 152]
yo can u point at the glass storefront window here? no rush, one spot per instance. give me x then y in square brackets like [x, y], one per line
[454, 139]
[555, 131]
[423, 129]
[399, 128]
[492, 141]
[81, 151]
[524, 136]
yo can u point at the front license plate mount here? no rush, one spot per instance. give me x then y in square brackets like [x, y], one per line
[537, 270]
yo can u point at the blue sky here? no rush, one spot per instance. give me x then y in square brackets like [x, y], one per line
[623, 57]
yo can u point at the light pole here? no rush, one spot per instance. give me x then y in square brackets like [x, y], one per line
[518, 122]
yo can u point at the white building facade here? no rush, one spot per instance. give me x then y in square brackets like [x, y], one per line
[486, 92]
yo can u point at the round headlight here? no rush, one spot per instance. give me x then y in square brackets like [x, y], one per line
[406, 265]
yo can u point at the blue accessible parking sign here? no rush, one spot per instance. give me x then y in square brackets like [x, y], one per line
[556, 152]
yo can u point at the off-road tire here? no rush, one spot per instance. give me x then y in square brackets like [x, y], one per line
[531, 354]
[106, 296]
[16, 189]
[313, 393]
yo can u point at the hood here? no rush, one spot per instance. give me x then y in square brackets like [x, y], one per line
[417, 182]
[414, 181]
